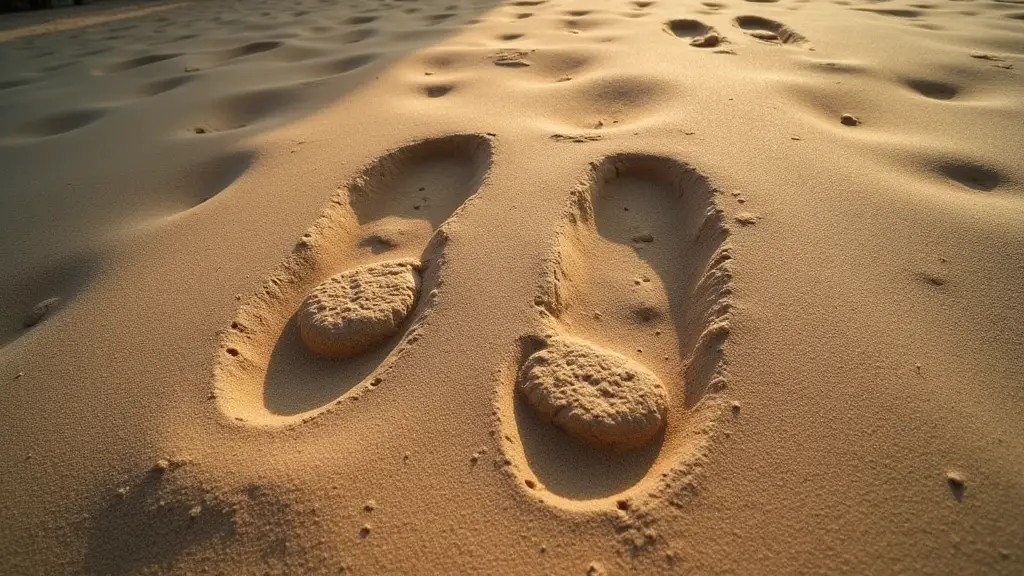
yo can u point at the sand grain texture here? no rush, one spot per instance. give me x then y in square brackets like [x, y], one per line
[798, 224]
[593, 394]
[354, 311]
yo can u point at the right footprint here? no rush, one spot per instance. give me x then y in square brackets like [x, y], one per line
[618, 387]
[345, 303]
[770, 31]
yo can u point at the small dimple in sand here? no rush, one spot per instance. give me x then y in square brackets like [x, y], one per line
[593, 394]
[354, 311]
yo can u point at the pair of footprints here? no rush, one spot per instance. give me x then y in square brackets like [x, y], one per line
[631, 311]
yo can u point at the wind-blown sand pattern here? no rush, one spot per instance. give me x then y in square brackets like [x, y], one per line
[630, 286]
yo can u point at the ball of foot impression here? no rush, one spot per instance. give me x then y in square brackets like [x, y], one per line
[594, 394]
[358, 310]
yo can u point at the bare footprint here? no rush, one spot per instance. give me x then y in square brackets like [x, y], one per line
[619, 382]
[769, 31]
[699, 34]
[374, 253]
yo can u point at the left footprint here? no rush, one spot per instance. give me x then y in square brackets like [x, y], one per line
[344, 303]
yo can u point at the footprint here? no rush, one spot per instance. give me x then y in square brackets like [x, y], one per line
[970, 175]
[633, 313]
[767, 30]
[933, 89]
[249, 49]
[438, 90]
[388, 217]
[700, 34]
[360, 20]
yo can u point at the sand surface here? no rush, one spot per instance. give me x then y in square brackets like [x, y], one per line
[786, 239]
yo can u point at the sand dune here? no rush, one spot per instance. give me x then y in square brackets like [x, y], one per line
[538, 286]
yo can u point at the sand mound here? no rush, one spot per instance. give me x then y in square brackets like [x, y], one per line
[594, 394]
[359, 309]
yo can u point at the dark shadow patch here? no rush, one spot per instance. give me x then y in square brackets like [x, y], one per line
[438, 90]
[933, 89]
[895, 12]
[139, 62]
[344, 65]
[163, 85]
[153, 523]
[20, 293]
[251, 49]
[687, 28]
[973, 176]
[209, 178]
[247, 108]
[59, 123]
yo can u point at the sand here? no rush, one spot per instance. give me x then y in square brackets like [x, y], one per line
[805, 220]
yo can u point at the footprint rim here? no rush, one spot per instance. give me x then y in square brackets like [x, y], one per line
[667, 461]
[263, 321]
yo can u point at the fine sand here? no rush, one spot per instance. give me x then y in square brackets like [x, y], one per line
[598, 287]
